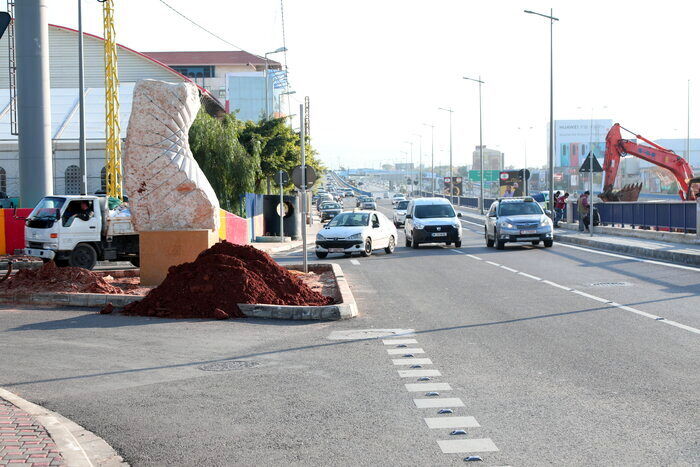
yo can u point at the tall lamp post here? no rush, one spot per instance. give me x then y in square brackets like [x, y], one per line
[481, 149]
[432, 158]
[267, 81]
[286, 93]
[420, 162]
[551, 19]
[411, 175]
[452, 191]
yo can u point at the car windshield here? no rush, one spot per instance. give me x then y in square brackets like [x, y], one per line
[430, 211]
[46, 209]
[368, 200]
[402, 205]
[350, 219]
[519, 209]
[330, 206]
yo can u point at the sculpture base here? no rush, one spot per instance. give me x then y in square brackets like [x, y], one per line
[159, 250]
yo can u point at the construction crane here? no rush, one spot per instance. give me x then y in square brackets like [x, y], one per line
[113, 148]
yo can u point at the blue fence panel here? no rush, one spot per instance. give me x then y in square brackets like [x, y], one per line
[673, 215]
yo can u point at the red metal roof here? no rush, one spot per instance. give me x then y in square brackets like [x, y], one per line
[229, 57]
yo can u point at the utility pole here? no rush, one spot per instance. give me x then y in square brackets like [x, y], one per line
[481, 149]
[81, 81]
[552, 19]
[302, 133]
[432, 158]
[33, 101]
[420, 163]
[452, 191]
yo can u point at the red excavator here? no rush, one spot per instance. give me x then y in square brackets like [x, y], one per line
[616, 147]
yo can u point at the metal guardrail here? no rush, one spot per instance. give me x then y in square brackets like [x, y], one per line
[675, 215]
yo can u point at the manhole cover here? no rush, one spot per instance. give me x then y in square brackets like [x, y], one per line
[229, 365]
[610, 284]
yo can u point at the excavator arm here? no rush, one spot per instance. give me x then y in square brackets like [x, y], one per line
[616, 147]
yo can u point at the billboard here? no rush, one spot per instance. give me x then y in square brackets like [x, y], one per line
[573, 139]
[456, 186]
[511, 183]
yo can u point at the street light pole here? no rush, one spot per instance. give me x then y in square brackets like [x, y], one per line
[420, 162]
[481, 149]
[432, 158]
[81, 83]
[411, 173]
[552, 19]
[452, 191]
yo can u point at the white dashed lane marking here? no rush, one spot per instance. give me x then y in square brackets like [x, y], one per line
[355, 262]
[437, 402]
[467, 445]
[451, 422]
[418, 373]
[403, 351]
[593, 297]
[412, 361]
[399, 341]
[418, 387]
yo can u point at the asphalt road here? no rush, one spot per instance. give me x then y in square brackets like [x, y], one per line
[557, 354]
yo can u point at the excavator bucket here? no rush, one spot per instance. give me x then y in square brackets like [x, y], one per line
[627, 193]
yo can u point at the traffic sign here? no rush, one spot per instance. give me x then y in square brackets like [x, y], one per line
[586, 166]
[284, 175]
[489, 175]
[310, 176]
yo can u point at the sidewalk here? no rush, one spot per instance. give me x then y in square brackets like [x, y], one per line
[279, 247]
[680, 253]
[33, 435]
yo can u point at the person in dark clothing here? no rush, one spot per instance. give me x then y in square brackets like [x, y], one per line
[559, 206]
[84, 213]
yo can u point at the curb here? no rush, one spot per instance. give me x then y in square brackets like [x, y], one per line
[70, 299]
[79, 447]
[346, 309]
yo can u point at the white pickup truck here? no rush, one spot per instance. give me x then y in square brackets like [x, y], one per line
[79, 231]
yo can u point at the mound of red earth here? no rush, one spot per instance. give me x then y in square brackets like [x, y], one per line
[220, 278]
[51, 278]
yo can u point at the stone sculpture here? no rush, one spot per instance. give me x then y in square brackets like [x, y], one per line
[166, 188]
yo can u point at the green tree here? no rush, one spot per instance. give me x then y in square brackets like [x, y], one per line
[230, 168]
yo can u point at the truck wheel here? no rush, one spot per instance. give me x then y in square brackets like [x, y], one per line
[83, 256]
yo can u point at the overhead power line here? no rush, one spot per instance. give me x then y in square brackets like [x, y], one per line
[200, 26]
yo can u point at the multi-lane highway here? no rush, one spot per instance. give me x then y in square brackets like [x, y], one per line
[544, 356]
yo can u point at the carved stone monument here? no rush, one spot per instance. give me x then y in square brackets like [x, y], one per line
[173, 206]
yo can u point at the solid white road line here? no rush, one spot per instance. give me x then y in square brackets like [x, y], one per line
[399, 341]
[467, 445]
[418, 387]
[631, 258]
[451, 422]
[418, 373]
[412, 361]
[437, 402]
[404, 351]
[355, 262]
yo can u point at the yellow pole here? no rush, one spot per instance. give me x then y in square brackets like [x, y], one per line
[113, 150]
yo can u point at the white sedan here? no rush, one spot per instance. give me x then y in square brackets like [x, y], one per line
[356, 232]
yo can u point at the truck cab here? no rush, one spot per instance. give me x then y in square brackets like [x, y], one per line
[79, 231]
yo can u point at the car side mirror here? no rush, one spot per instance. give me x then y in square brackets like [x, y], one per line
[459, 214]
[408, 216]
[493, 214]
[548, 212]
[58, 213]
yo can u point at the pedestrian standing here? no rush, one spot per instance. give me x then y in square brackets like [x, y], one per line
[583, 209]
[559, 206]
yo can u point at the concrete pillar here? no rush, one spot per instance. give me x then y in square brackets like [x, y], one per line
[33, 101]
[697, 219]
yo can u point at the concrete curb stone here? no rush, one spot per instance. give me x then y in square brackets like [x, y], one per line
[78, 446]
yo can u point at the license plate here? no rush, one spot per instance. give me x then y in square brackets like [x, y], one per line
[528, 232]
[528, 238]
[440, 234]
[336, 250]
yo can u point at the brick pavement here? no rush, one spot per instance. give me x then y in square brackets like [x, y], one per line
[23, 441]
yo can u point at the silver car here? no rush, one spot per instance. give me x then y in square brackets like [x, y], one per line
[517, 220]
[368, 203]
[400, 213]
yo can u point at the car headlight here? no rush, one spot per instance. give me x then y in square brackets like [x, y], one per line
[545, 222]
[456, 225]
[418, 224]
[357, 236]
[507, 225]
[320, 237]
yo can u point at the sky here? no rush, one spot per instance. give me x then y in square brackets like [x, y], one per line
[377, 71]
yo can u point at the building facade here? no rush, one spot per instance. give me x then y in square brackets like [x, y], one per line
[63, 65]
[493, 159]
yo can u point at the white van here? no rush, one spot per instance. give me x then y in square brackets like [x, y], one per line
[432, 220]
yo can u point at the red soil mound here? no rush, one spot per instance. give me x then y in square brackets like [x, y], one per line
[50, 278]
[219, 279]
